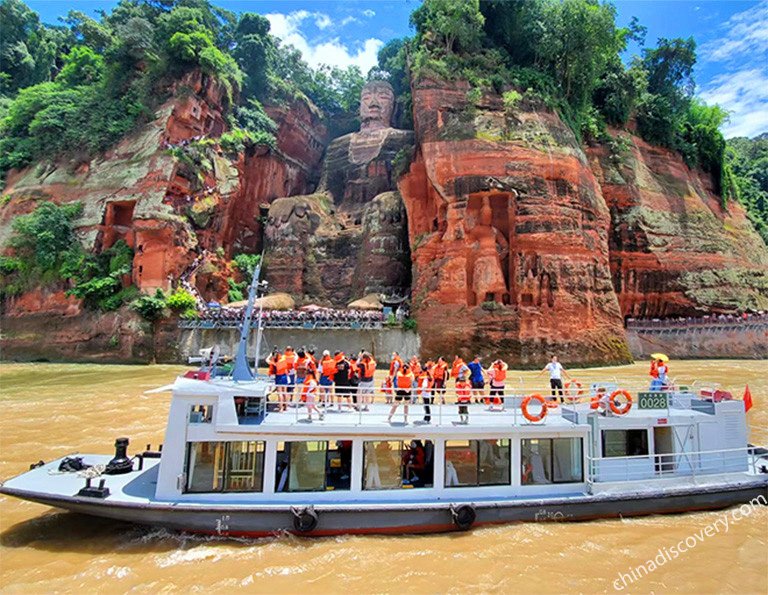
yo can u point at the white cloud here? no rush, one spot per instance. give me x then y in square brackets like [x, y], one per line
[745, 95]
[746, 35]
[331, 51]
[369, 13]
[347, 20]
[742, 87]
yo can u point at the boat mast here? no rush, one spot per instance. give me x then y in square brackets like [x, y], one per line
[241, 371]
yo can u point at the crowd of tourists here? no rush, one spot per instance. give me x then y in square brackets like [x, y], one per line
[343, 381]
[324, 317]
[708, 320]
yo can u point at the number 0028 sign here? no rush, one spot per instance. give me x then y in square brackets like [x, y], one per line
[652, 400]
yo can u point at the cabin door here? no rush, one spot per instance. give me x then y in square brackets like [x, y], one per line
[664, 446]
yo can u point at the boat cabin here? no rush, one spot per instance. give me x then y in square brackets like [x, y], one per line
[224, 442]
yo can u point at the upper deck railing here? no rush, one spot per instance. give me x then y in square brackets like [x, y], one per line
[703, 323]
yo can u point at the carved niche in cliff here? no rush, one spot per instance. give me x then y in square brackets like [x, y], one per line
[351, 237]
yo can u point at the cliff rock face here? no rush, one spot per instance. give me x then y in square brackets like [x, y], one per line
[674, 249]
[165, 210]
[509, 234]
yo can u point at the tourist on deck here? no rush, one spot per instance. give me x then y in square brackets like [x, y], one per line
[366, 368]
[439, 378]
[425, 390]
[463, 398]
[477, 378]
[290, 358]
[498, 375]
[659, 375]
[308, 393]
[395, 364]
[403, 390]
[459, 368]
[388, 389]
[281, 380]
[556, 373]
[343, 380]
[327, 371]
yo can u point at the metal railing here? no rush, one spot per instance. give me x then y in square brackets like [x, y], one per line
[233, 323]
[691, 464]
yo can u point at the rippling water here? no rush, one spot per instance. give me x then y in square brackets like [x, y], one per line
[50, 410]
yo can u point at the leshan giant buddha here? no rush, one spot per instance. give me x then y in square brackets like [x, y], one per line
[350, 238]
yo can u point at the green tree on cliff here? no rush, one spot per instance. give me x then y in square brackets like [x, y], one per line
[449, 26]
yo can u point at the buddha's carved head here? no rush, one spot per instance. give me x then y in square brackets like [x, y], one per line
[377, 102]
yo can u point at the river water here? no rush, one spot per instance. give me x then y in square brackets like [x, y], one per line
[50, 410]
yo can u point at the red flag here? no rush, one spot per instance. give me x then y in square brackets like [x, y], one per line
[747, 399]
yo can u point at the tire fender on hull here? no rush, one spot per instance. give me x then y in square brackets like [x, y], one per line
[304, 519]
[463, 516]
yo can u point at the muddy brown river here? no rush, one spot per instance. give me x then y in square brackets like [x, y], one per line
[50, 410]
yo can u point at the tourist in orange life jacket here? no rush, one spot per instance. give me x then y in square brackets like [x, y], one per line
[366, 368]
[290, 358]
[387, 388]
[458, 368]
[301, 367]
[308, 394]
[395, 364]
[463, 397]
[425, 390]
[498, 375]
[281, 380]
[343, 380]
[327, 368]
[403, 390]
[439, 378]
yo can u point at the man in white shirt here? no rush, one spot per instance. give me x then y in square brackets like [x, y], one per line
[556, 373]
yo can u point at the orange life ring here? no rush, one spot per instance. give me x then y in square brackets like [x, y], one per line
[614, 407]
[526, 402]
[579, 391]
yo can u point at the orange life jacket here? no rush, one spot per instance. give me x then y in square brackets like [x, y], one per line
[463, 392]
[302, 366]
[396, 363]
[654, 369]
[309, 386]
[281, 365]
[404, 381]
[290, 358]
[370, 367]
[428, 377]
[328, 366]
[457, 365]
[438, 372]
[498, 373]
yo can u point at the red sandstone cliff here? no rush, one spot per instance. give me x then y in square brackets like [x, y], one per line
[509, 234]
[674, 248]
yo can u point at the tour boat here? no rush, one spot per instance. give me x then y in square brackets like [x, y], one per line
[233, 465]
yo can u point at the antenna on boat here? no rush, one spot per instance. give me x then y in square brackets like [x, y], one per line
[241, 370]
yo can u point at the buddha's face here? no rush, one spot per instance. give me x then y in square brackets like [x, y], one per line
[377, 102]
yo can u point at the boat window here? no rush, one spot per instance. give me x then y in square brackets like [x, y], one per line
[476, 462]
[395, 464]
[625, 443]
[314, 466]
[225, 466]
[200, 414]
[551, 460]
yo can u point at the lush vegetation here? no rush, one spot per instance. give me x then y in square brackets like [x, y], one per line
[567, 54]
[46, 252]
[75, 89]
[747, 159]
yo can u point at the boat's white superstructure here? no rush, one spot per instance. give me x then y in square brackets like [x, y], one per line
[233, 464]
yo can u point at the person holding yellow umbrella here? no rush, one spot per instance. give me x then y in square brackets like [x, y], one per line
[659, 371]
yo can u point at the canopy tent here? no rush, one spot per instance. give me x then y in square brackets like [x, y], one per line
[369, 302]
[275, 301]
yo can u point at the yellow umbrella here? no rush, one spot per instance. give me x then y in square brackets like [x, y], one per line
[663, 357]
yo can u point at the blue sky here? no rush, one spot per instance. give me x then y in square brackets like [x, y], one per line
[732, 38]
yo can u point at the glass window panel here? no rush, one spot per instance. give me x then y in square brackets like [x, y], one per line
[205, 466]
[625, 443]
[567, 460]
[393, 464]
[307, 462]
[245, 467]
[493, 461]
[460, 463]
[536, 461]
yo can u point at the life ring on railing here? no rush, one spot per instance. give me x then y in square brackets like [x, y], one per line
[304, 519]
[463, 516]
[570, 395]
[524, 407]
[627, 405]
